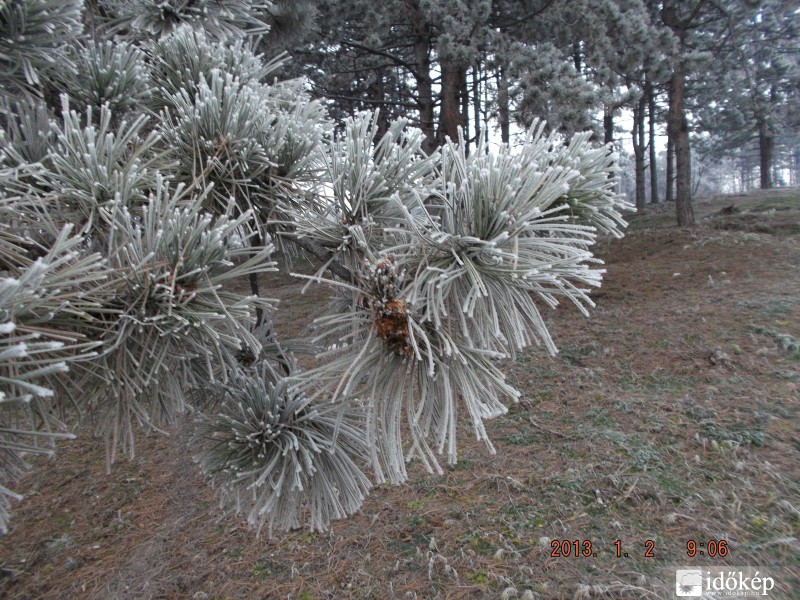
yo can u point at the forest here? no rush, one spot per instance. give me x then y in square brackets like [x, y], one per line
[644, 75]
[412, 299]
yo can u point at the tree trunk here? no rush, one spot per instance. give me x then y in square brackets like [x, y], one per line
[450, 114]
[669, 175]
[651, 113]
[464, 94]
[766, 149]
[576, 56]
[638, 152]
[422, 75]
[677, 123]
[256, 242]
[377, 90]
[425, 94]
[608, 124]
[679, 128]
[503, 113]
[476, 102]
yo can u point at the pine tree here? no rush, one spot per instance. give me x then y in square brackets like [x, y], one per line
[692, 23]
[161, 165]
[751, 97]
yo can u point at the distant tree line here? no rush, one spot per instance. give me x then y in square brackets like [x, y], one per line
[720, 76]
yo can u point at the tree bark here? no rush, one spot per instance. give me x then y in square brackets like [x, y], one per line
[476, 102]
[608, 124]
[261, 317]
[669, 174]
[464, 95]
[766, 149]
[651, 113]
[422, 75]
[677, 123]
[453, 74]
[679, 128]
[378, 90]
[503, 113]
[638, 151]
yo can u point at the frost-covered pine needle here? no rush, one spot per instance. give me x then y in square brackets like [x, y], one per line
[284, 460]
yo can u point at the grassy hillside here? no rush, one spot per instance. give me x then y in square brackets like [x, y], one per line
[670, 415]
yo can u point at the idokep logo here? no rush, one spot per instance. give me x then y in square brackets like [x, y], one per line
[728, 582]
[689, 583]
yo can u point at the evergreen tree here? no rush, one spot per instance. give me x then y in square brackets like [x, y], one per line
[752, 96]
[169, 167]
[693, 24]
[392, 56]
[449, 64]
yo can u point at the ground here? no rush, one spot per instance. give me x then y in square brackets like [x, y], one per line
[668, 416]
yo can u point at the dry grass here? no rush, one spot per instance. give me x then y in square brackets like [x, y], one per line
[670, 415]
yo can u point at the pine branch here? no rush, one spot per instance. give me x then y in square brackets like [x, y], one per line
[378, 52]
[317, 250]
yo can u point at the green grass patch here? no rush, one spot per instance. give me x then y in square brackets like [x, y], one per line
[522, 439]
[403, 547]
[417, 521]
[576, 355]
[263, 568]
[480, 544]
[478, 576]
[741, 433]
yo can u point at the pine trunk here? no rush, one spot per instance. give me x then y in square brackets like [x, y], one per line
[450, 113]
[679, 128]
[677, 123]
[669, 175]
[766, 149]
[261, 317]
[422, 75]
[608, 124]
[503, 113]
[638, 153]
[651, 113]
[378, 91]
[476, 102]
[464, 95]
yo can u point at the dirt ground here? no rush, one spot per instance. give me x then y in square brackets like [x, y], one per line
[668, 417]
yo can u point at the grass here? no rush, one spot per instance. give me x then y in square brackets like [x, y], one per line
[631, 434]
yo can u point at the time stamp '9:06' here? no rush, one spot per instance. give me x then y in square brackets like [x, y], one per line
[585, 548]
